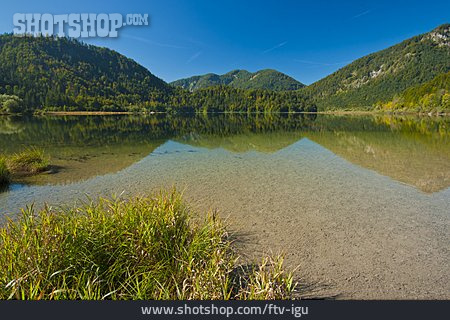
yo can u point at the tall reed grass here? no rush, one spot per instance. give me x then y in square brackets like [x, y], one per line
[142, 248]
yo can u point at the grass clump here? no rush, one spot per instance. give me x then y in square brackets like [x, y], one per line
[30, 161]
[143, 248]
[265, 281]
[4, 173]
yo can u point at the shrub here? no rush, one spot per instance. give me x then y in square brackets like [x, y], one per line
[10, 104]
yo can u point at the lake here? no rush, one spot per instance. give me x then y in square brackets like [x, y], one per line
[361, 204]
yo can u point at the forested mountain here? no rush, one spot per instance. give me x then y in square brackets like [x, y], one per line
[379, 76]
[42, 73]
[52, 74]
[45, 71]
[264, 79]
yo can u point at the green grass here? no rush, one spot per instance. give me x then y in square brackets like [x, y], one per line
[30, 161]
[4, 173]
[143, 248]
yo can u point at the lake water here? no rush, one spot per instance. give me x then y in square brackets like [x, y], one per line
[360, 203]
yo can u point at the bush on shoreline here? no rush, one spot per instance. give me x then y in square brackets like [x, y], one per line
[144, 248]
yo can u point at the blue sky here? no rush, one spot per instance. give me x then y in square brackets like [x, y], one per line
[304, 39]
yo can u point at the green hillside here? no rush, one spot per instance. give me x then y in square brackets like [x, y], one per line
[242, 79]
[60, 72]
[432, 95]
[379, 76]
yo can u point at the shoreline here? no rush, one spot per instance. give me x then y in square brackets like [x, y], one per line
[85, 113]
[339, 113]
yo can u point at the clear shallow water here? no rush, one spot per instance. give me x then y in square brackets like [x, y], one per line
[365, 198]
[413, 151]
[124, 154]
